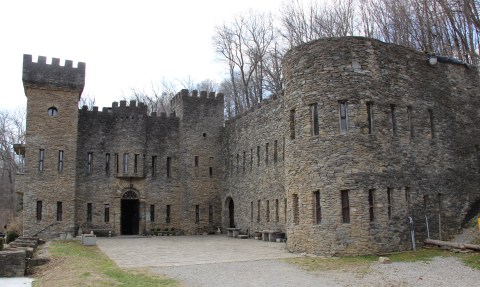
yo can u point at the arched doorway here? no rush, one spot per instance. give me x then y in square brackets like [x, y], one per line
[231, 212]
[130, 213]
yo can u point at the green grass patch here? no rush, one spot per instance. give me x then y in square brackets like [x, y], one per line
[76, 265]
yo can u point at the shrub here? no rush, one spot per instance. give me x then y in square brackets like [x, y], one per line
[11, 236]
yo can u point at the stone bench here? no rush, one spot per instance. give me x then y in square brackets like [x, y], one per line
[233, 232]
[269, 235]
[89, 239]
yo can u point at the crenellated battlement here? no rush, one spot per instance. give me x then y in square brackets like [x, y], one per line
[261, 107]
[53, 75]
[123, 110]
[185, 94]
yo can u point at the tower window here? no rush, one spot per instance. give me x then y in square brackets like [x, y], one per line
[52, 111]
[90, 163]
[197, 213]
[318, 210]
[41, 159]
[343, 117]
[292, 124]
[39, 210]
[167, 214]
[169, 167]
[107, 164]
[125, 163]
[107, 213]
[152, 213]
[89, 212]
[370, 117]
[370, 204]
[345, 207]
[59, 211]
[295, 209]
[314, 119]
[258, 210]
[196, 161]
[135, 163]
[60, 161]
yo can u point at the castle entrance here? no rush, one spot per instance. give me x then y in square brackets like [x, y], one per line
[130, 213]
[231, 213]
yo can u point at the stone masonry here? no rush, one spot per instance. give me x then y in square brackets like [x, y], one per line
[368, 136]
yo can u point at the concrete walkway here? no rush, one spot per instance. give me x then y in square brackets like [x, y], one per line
[16, 282]
[213, 260]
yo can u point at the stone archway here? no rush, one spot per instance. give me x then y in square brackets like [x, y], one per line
[130, 213]
[230, 206]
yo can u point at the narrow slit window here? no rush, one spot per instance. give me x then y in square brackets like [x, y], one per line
[343, 117]
[295, 209]
[135, 163]
[167, 214]
[106, 216]
[125, 163]
[89, 212]
[117, 163]
[197, 213]
[370, 204]
[389, 203]
[107, 164]
[210, 213]
[244, 161]
[432, 123]
[275, 151]
[154, 166]
[196, 161]
[285, 211]
[251, 211]
[258, 210]
[410, 121]
[60, 161]
[266, 154]
[39, 210]
[345, 207]
[41, 159]
[267, 211]
[318, 209]
[292, 124]
[169, 167]
[152, 212]
[251, 159]
[393, 119]
[210, 167]
[370, 117]
[314, 119]
[90, 163]
[276, 211]
[258, 155]
[407, 199]
[59, 211]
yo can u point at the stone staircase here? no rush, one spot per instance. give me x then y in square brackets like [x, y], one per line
[18, 256]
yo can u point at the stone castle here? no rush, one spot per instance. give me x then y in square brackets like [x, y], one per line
[367, 136]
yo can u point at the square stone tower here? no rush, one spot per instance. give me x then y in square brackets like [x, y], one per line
[48, 186]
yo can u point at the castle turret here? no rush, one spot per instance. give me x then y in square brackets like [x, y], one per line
[48, 186]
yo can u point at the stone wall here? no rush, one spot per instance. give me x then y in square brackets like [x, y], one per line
[429, 170]
[253, 148]
[13, 263]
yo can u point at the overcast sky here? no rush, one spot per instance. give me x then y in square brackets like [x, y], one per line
[125, 44]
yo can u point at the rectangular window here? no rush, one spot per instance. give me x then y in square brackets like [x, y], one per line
[169, 167]
[425, 199]
[370, 117]
[266, 154]
[285, 211]
[135, 163]
[210, 213]
[276, 211]
[314, 119]
[59, 211]
[389, 203]
[116, 163]
[154, 166]
[432, 123]
[39, 210]
[258, 155]
[41, 159]
[268, 211]
[370, 204]
[167, 214]
[107, 164]
[275, 152]
[345, 207]
[258, 210]
[251, 211]
[343, 117]
[106, 216]
[60, 161]
[407, 198]
[89, 212]
[318, 209]
[210, 168]
[244, 161]
[393, 119]
[125, 163]
[295, 209]
[196, 161]
[152, 212]
[90, 163]
[292, 124]
[197, 213]
[410, 121]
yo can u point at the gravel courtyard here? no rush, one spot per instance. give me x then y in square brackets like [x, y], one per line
[221, 261]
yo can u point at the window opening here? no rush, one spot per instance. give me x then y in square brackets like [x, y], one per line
[314, 119]
[268, 211]
[258, 210]
[39, 210]
[295, 209]
[116, 163]
[167, 215]
[154, 166]
[135, 163]
[59, 211]
[169, 167]
[60, 161]
[52, 111]
[197, 213]
[292, 124]
[210, 213]
[106, 216]
[41, 159]
[370, 204]
[276, 211]
[152, 212]
[90, 163]
[345, 207]
[343, 117]
[107, 163]
[266, 154]
[318, 209]
[389, 203]
[125, 163]
[89, 212]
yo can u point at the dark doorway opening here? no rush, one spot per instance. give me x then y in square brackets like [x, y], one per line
[231, 213]
[130, 217]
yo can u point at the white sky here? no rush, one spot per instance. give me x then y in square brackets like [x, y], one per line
[125, 44]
